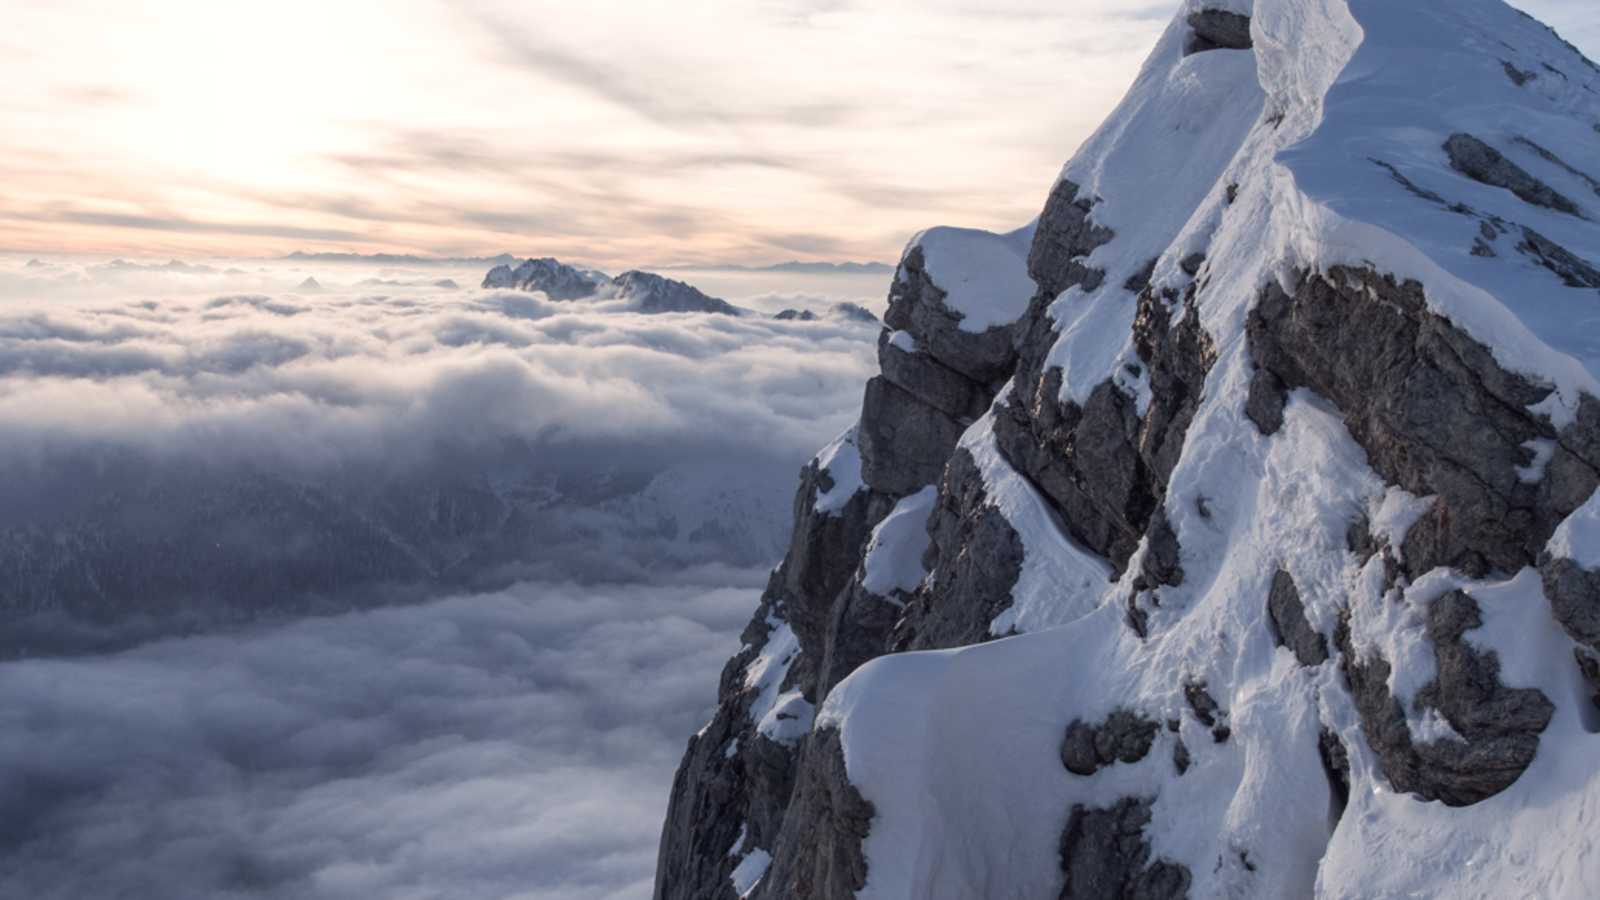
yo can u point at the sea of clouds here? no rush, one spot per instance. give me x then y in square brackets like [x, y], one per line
[508, 740]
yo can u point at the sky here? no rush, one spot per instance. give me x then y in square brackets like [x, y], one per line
[615, 132]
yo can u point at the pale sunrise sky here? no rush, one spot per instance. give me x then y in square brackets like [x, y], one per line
[696, 131]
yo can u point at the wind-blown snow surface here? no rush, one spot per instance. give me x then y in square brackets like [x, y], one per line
[1268, 161]
[508, 733]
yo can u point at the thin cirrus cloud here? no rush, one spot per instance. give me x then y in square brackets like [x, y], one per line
[630, 134]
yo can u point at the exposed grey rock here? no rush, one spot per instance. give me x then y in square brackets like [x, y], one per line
[824, 550]
[974, 558]
[1125, 736]
[1140, 280]
[1435, 413]
[1265, 402]
[1191, 264]
[932, 382]
[1207, 710]
[1162, 564]
[904, 441]
[818, 855]
[1550, 157]
[860, 629]
[1574, 594]
[715, 795]
[1290, 629]
[553, 278]
[1180, 756]
[1065, 235]
[796, 315]
[916, 305]
[1589, 667]
[1105, 856]
[1500, 726]
[1481, 162]
[1218, 29]
[1084, 460]
[1518, 76]
[716, 792]
[1336, 766]
[1568, 266]
[1101, 466]
[648, 292]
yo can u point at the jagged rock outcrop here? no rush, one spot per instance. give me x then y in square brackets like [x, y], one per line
[644, 292]
[1481, 162]
[553, 278]
[1218, 29]
[1124, 736]
[1289, 626]
[1496, 728]
[648, 292]
[1436, 414]
[975, 557]
[1280, 381]
[819, 595]
[1104, 854]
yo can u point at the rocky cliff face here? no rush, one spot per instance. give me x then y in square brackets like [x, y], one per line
[1229, 531]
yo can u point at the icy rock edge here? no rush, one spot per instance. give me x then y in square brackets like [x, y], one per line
[1257, 489]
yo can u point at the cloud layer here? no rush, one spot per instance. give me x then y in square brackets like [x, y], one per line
[195, 443]
[518, 744]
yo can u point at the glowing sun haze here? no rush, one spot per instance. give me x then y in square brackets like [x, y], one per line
[697, 131]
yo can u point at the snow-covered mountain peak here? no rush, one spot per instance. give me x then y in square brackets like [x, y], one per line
[1256, 475]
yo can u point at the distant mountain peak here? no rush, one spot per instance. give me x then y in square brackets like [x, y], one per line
[648, 292]
[553, 278]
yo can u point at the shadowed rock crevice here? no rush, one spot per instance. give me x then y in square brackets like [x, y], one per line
[1499, 726]
[1265, 403]
[1102, 466]
[819, 854]
[975, 559]
[1218, 29]
[1104, 854]
[1336, 766]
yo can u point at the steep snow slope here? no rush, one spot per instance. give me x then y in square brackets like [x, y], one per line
[1260, 493]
